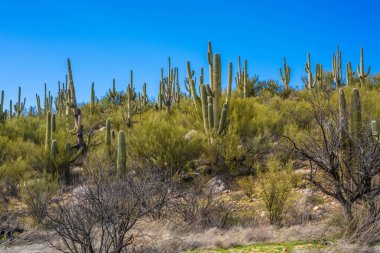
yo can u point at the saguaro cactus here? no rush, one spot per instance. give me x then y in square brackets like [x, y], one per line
[53, 123]
[168, 87]
[78, 128]
[241, 78]
[337, 67]
[214, 117]
[113, 93]
[285, 77]
[54, 150]
[48, 131]
[318, 81]
[19, 106]
[229, 81]
[92, 101]
[108, 132]
[361, 73]
[349, 74]
[121, 164]
[310, 81]
[190, 85]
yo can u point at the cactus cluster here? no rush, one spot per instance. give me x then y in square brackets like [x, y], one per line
[19, 106]
[360, 69]
[169, 89]
[285, 76]
[241, 78]
[337, 67]
[214, 115]
[350, 130]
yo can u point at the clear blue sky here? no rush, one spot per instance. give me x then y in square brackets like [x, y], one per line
[105, 39]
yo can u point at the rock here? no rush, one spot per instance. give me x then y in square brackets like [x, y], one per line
[189, 135]
[216, 185]
[315, 208]
[99, 130]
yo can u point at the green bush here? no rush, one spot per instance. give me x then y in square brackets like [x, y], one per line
[160, 142]
[275, 189]
[247, 185]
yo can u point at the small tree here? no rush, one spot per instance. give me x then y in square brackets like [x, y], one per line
[343, 154]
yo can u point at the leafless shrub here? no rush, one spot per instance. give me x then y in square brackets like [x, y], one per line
[101, 216]
[202, 209]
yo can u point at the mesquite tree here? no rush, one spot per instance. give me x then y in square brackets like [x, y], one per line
[343, 154]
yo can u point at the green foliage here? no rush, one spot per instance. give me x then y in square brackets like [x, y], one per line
[275, 189]
[160, 142]
[36, 194]
[247, 185]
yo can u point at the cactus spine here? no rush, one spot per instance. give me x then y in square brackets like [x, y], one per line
[121, 154]
[361, 73]
[337, 67]
[48, 131]
[285, 77]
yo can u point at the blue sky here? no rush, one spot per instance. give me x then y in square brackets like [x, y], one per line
[105, 39]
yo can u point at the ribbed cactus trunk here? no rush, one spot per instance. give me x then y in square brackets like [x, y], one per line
[361, 72]
[54, 150]
[121, 154]
[229, 81]
[356, 127]
[53, 123]
[216, 80]
[108, 132]
[48, 131]
[204, 104]
[92, 101]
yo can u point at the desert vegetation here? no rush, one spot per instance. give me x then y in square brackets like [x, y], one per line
[224, 164]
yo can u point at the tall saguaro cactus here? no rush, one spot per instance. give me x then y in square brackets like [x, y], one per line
[285, 77]
[337, 67]
[241, 78]
[19, 106]
[121, 154]
[310, 80]
[92, 101]
[108, 132]
[349, 74]
[361, 72]
[78, 128]
[214, 117]
[229, 81]
[48, 131]
[190, 85]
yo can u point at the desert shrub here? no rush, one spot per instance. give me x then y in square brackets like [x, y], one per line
[275, 189]
[11, 174]
[160, 143]
[247, 185]
[202, 209]
[36, 194]
[100, 216]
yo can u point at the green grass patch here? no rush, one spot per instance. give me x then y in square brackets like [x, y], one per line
[270, 247]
